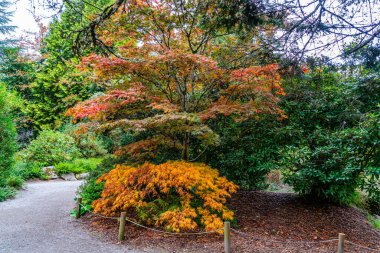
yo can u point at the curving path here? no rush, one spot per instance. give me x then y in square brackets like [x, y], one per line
[38, 221]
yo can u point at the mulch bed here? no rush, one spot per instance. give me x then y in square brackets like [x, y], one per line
[271, 222]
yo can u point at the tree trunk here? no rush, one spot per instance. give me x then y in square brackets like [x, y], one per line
[185, 150]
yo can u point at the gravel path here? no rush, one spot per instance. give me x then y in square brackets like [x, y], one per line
[38, 221]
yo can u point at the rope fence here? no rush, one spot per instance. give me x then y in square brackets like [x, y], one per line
[148, 228]
[245, 235]
[226, 232]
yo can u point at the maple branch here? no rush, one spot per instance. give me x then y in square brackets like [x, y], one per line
[200, 154]
[89, 31]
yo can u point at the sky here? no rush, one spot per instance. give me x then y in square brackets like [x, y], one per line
[24, 19]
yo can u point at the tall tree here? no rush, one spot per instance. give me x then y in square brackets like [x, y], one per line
[5, 19]
[325, 27]
[162, 81]
[58, 85]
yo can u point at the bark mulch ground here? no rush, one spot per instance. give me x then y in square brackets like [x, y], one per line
[270, 222]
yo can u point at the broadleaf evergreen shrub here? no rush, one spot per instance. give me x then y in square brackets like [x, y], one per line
[333, 165]
[248, 150]
[89, 143]
[50, 147]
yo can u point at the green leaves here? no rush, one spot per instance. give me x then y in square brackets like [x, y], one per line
[50, 148]
[335, 164]
[8, 144]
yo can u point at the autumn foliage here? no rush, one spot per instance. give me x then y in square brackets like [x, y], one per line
[165, 78]
[179, 196]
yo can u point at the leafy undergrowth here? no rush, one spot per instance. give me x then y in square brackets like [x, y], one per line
[6, 193]
[29, 171]
[374, 221]
[267, 217]
[77, 166]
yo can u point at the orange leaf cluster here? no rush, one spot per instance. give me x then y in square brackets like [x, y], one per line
[198, 190]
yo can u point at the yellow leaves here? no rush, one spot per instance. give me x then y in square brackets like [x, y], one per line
[190, 191]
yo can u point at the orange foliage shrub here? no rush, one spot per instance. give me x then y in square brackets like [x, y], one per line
[177, 195]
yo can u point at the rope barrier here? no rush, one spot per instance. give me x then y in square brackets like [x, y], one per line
[361, 246]
[300, 242]
[234, 230]
[153, 229]
[287, 241]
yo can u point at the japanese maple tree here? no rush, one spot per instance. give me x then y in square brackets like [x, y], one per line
[164, 80]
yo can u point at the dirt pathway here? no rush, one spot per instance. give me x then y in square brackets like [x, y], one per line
[38, 221]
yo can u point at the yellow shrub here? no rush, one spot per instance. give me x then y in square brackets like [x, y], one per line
[177, 195]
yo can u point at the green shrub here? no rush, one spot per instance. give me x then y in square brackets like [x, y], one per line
[77, 166]
[29, 170]
[322, 171]
[8, 144]
[89, 143]
[247, 151]
[333, 165]
[51, 148]
[376, 224]
[15, 182]
[91, 190]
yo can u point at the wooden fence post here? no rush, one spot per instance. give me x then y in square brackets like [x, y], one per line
[341, 243]
[227, 237]
[123, 215]
[78, 207]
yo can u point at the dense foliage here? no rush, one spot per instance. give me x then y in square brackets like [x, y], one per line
[89, 143]
[179, 196]
[248, 151]
[330, 144]
[17, 72]
[8, 143]
[50, 148]
[166, 93]
[77, 166]
[91, 190]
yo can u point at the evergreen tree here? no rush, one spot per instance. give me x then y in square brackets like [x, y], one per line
[5, 18]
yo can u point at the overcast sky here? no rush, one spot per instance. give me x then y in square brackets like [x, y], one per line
[23, 17]
[24, 20]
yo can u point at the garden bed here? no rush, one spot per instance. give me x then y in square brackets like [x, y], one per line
[269, 221]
